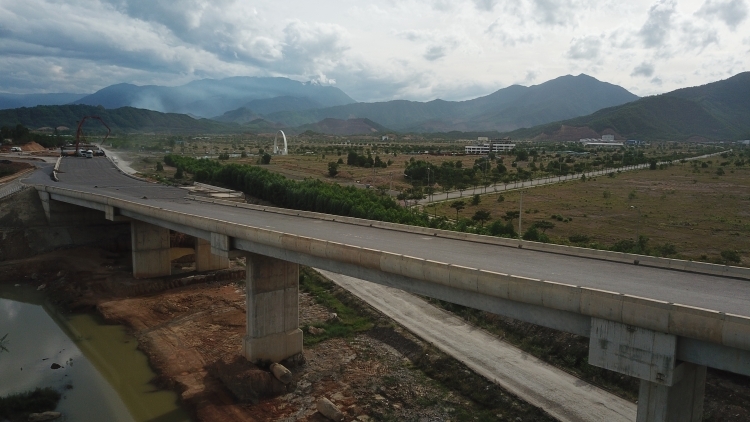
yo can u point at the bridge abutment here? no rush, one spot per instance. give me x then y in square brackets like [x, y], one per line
[150, 249]
[273, 332]
[670, 391]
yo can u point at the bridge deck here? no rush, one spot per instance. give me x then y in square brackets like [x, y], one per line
[705, 291]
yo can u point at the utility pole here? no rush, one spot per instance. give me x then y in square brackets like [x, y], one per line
[520, 214]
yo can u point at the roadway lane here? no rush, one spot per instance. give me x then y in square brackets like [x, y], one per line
[98, 175]
[565, 397]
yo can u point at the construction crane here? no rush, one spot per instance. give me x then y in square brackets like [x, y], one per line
[79, 131]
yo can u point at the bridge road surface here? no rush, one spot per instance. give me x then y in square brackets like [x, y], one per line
[99, 176]
[560, 394]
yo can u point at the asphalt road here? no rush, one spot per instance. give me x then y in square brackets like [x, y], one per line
[560, 394]
[98, 175]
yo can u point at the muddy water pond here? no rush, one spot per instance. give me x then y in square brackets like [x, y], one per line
[102, 376]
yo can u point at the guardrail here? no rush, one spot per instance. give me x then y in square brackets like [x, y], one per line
[10, 189]
[645, 260]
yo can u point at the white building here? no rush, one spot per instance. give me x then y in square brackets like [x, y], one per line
[494, 146]
[608, 138]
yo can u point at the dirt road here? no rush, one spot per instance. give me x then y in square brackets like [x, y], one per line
[562, 395]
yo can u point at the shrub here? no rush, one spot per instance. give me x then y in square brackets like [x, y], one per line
[578, 238]
[534, 235]
[731, 256]
[19, 406]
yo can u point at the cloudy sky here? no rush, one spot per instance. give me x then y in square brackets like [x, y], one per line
[377, 50]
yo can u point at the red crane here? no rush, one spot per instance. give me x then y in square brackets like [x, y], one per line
[79, 131]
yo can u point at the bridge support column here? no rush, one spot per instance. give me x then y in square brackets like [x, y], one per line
[670, 391]
[207, 261]
[151, 254]
[273, 332]
[683, 401]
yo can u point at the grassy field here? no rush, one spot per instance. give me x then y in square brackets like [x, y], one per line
[700, 213]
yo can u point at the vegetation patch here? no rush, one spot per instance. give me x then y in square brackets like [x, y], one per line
[17, 407]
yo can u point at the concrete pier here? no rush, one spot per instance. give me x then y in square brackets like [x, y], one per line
[151, 254]
[670, 391]
[273, 332]
[205, 260]
[681, 402]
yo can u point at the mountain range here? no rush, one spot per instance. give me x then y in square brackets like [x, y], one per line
[123, 119]
[715, 111]
[506, 109]
[32, 100]
[565, 108]
[212, 97]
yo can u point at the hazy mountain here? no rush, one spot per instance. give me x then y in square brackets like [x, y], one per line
[506, 109]
[32, 100]
[240, 116]
[210, 97]
[344, 127]
[718, 110]
[124, 119]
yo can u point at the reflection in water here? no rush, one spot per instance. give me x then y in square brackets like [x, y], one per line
[102, 375]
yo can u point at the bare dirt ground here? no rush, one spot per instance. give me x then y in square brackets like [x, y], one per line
[193, 335]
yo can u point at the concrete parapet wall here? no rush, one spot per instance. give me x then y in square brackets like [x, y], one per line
[645, 260]
[680, 320]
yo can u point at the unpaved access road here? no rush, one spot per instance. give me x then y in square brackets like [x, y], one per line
[560, 394]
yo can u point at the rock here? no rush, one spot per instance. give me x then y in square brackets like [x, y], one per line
[44, 416]
[55, 366]
[315, 330]
[329, 410]
[281, 373]
[41, 286]
[247, 382]
[333, 316]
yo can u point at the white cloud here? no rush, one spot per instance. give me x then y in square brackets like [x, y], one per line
[655, 32]
[413, 49]
[643, 69]
[731, 12]
[587, 48]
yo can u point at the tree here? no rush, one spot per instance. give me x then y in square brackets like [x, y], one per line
[333, 169]
[458, 206]
[265, 158]
[475, 200]
[481, 217]
[178, 174]
[511, 215]
[159, 167]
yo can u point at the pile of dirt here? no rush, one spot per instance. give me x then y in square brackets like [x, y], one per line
[32, 147]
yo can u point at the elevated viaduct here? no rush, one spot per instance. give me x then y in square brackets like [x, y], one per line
[662, 321]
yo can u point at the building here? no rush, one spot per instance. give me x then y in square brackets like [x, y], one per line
[608, 138]
[602, 144]
[634, 142]
[491, 146]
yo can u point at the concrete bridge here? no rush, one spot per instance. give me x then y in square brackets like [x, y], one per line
[661, 320]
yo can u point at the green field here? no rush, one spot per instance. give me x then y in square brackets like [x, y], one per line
[697, 211]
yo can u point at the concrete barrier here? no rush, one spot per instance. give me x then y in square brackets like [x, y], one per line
[667, 263]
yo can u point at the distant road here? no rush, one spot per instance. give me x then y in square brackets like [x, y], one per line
[560, 394]
[502, 187]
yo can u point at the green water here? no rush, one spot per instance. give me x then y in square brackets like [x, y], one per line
[103, 376]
